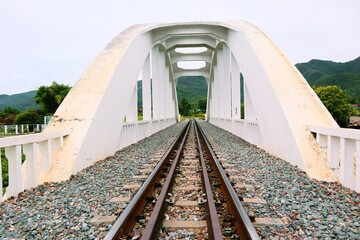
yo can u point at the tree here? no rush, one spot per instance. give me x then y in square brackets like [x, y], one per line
[337, 101]
[184, 107]
[29, 117]
[202, 104]
[11, 110]
[50, 97]
[8, 115]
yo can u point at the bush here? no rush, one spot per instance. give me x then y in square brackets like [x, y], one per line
[29, 117]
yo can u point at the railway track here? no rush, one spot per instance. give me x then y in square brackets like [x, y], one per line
[186, 196]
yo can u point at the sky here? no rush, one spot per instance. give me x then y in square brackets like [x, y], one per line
[42, 41]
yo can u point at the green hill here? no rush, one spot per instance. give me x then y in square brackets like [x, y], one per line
[191, 88]
[323, 73]
[21, 101]
[316, 72]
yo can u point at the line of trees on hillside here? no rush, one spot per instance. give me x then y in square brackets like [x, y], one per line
[48, 97]
[338, 103]
[335, 99]
[186, 109]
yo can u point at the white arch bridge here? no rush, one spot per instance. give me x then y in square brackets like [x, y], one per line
[240, 64]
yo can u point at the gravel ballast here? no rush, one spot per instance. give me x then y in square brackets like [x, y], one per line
[64, 210]
[308, 208]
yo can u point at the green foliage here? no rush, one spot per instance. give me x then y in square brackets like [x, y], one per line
[21, 101]
[348, 81]
[29, 117]
[337, 102]
[242, 106]
[326, 73]
[202, 104]
[8, 115]
[193, 89]
[11, 110]
[184, 107]
[50, 97]
[139, 93]
[200, 116]
[5, 171]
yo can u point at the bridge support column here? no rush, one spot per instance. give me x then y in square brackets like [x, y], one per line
[146, 89]
[248, 105]
[13, 154]
[235, 89]
[155, 82]
[132, 113]
[162, 84]
[225, 82]
[347, 150]
[220, 84]
[31, 153]
[174, 107]
[215, 94]
[168, 96]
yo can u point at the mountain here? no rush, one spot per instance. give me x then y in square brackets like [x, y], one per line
[316, 72]
[21, 101]
[191, 88]
[323, 73]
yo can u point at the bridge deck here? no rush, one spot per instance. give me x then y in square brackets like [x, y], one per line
[274, 191]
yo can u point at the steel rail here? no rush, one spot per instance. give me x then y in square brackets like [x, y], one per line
[243, 224]
[212, 219]
[153, 226]
[126, 220]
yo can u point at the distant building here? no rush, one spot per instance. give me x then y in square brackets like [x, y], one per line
[356, 106]
[354, 122]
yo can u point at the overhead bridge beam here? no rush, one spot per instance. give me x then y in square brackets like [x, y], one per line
[190, 41]
[206, 56]
[244, 70]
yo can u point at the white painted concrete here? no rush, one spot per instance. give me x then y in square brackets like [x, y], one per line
[343, 153]
[279, 104]
[36, 166]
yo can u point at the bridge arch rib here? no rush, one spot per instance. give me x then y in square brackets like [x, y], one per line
[279, 104]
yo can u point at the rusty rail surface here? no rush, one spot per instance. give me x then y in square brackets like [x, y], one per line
[153, 226]
[127, 219]
[243, 223]
[124, 224]
[214, 227]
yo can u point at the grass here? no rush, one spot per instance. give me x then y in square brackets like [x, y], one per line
[200, 116]
[5, 170]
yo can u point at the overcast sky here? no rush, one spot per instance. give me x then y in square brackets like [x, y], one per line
[55, 40]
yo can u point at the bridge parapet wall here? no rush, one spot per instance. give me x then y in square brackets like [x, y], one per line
[38, 150]
[248, 130]
[21, 129]
[135, 131]
[343, 153]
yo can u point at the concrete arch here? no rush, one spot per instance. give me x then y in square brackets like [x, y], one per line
[283, 104]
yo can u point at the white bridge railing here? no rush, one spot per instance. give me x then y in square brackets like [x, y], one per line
[343, 153]
[37, 149]
[248, 130]
[133, 132]
[21, 129]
